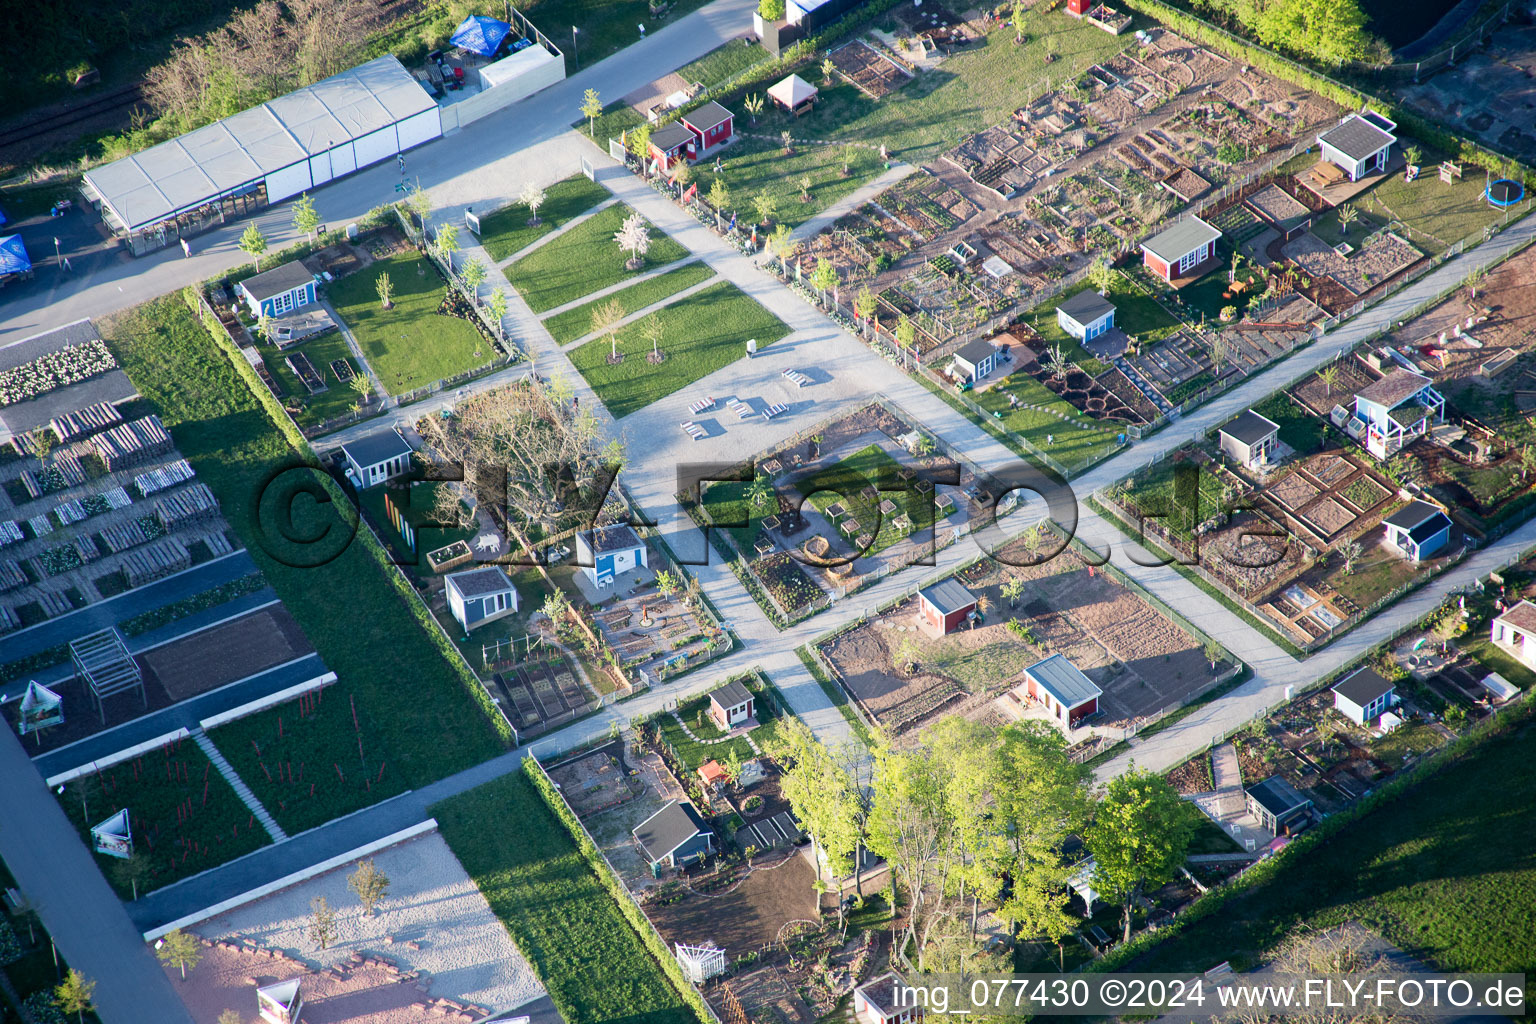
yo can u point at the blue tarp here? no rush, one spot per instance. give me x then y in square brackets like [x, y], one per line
[480, 34]
[13, 256]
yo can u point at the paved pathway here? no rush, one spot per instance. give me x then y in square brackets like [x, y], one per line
[852, 201]
[89, 925]
[221, 764]
[618, 286]
[645, 311]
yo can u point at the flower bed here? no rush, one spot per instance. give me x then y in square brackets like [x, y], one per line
[61, 559]
[69, 365]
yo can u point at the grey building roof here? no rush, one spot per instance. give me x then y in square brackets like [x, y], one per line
[1064, 680]
[1086, 306]
[1357, 138]
[1176, 241]
[1419, 516]
[1250, 428]
[732, 694]
[1277, 796]
[1395, 388]
[488, 579]
[976, 352]
[243, 148]
[948, 596]
[372, 449]
[277, 280]
[710, 115]
[669, 828]
[615, 537]
[669, 137]
[1363, 687]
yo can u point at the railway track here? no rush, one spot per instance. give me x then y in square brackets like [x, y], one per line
[125, 97]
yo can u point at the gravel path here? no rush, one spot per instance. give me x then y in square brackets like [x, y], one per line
[432, 904]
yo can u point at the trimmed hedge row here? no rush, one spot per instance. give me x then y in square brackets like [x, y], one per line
[617, 890]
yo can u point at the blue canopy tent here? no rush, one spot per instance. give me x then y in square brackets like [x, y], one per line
[480, 34]
[13, 256]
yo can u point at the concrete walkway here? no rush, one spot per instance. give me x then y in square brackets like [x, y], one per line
[645, 311]
[89, 925]
[852, 201]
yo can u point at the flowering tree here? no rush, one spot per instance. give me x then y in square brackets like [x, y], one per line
[533, 197]
[635, 238]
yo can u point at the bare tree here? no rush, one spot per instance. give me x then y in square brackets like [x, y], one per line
[654, 330]
[322, 923]
[1350, 551]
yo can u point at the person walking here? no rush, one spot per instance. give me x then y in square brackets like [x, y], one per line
[186, 249]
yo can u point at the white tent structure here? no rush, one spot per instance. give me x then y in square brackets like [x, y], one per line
[273, 151]
[792, 93]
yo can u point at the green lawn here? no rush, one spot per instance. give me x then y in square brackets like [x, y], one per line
[528, 867]
[1208, 836]
[706, 331]
[577, 321]
[351, 605]
[584, 259]
[507, 231]
[1138, 315]
[1432, 871]
[843, 483]
[604, 26]
[1445, 213]
[412, 343]
[1155, 493]
[321, 352]
[1298, 428]
[156, 787]
[723, 63]
[694, 752]
[1053, 426]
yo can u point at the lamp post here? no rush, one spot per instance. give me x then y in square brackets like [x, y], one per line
[575, 57]
[330, 158]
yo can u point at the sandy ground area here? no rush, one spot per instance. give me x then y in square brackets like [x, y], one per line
[434, 921]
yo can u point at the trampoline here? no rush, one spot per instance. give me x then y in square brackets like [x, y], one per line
[1504, 192]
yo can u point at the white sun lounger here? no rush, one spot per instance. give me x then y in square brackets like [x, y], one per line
[775, 410]
[702, 405]
[693, 430]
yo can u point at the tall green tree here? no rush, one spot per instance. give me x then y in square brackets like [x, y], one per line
[253, 243]
[1139, 838]
[73, 994]
[179, 949]
[305, 218]
[1331, 32]
[820, 789]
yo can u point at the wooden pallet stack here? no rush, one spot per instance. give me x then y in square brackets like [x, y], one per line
[90, 420]
[54, 604]
[12, 575]
[119, 537]
[169, 475]
[8, 620]
[10, 533]
[132, 442]
[194, 504]
[153, 561]
[218, 544]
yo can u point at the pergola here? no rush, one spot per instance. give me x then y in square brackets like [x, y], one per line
[103, 662]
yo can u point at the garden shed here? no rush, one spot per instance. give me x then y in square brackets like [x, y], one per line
[674, 837]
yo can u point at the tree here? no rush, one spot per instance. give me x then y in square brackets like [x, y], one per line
[805, 188]
[533, 197]
[1527, 460]
[369, 884]
[753, 105]
[1351, 551]
[759, 493]
[787, 141]
[1329, 375]
[824, 278]
[640, 145]
[1221, 345]
[386, 289]
[1413, 155]
[555, 606]
[605, 323]
[472, 273]
[771, 10]
[1057, 358]
[73, 994]
[635, 238]
[266, 327]
[447, 243]
[765, 205]
[322, 923]
[865, 304]
[1019, 20]
[1012, 589]
[820, 788]
[420, 202]
[1100, 276]
[591, 107]
[906, 336]
[719, 198]
[782, 245]
[498, 304]
[654, 331]
[666, 583]
[179, 949]
[682, 173]
[828, 69]
[362, 387]
[1212, 652]
[1347, 216]
[1330, 32]
[1139, 837]
[305, 219]
[253, 243]
[906, 653]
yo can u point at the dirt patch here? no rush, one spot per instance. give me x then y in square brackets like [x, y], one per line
[746, 917]
[234, 650]
[596, 781]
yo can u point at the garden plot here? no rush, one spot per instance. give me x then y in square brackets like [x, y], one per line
[925, 205]
[749, 910]
[597, 781]
[1377, 260]
[871, 71]
[540, 696]
[999, 158]
[1141, 660]
[657, 634]
[433, 923]
[221, 654]
[612, 828]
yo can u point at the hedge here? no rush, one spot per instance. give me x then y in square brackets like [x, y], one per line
[617, 890]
